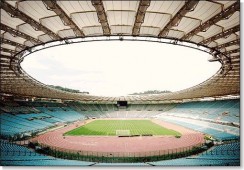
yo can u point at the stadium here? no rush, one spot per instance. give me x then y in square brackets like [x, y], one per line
[46, 126]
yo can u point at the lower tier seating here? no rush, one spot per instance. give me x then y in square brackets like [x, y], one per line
[16, 155]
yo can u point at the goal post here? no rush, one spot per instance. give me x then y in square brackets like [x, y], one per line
[122, 132]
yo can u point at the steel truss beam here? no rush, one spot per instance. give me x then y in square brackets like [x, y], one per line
[188, 7]
[235, 57]
[8, 50]
[19, 34]
[227, 82]
[4, 62]
[222, 34]
[232, 51]
[226, 78]
[235, 62]
[15, 12]
[102, 16]
[11, 61]
[9, 42]
[18, 83]
[7, 65]
[226, 85]
[140, 15]
[235, 42]
[220, 16]
[5, 56]
[52, 5]
[6, 71]
[13, 77]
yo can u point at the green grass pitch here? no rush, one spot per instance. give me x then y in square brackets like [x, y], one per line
[109, 127]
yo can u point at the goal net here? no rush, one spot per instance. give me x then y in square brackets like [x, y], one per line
[122, 132]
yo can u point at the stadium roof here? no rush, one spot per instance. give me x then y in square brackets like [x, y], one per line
[214, 25]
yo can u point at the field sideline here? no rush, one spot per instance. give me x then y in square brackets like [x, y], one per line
[109, 127]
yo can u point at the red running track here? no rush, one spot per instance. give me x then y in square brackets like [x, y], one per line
[113, 144]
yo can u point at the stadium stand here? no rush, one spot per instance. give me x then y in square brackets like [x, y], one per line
[120, 164]
[221, 155]
[13, 154]
[19, 124]
[44, 115]
[227, 111]
[220, 132]
[211, 26]
[112, 111]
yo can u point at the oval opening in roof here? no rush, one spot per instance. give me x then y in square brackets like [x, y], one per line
[120, 68]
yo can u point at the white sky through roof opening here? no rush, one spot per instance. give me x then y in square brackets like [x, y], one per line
[119, 68]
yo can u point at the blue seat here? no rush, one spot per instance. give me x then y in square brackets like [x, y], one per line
[16, 155]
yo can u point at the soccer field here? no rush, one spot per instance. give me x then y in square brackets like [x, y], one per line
[109, 128]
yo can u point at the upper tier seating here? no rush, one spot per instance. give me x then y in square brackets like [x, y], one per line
[219, 111]
[218, 131]
[16, 124]
[42, 115]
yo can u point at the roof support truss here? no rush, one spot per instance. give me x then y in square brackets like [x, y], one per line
[52, 5]
[5, 56]
[9, 42]
[102, 17]
[222, 34]
[235, 42]
[220, 16]
[7, 50]
[232, 51]
[19, 14]
[235, 62]
[189, 6]
[19, 34]
[12, 60]
[140, 15]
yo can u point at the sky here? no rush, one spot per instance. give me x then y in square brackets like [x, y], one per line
[119, 68]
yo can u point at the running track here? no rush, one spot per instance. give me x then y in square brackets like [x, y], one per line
[149, 145]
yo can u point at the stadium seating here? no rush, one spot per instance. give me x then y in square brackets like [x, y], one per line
[43, 115]
[196, 162]
[219, 111]
[214, 118]
[18, 123]
[228, 154]
[13, 154]
[215, 130]
[111, 110]
[121, 164]
[16, 155]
